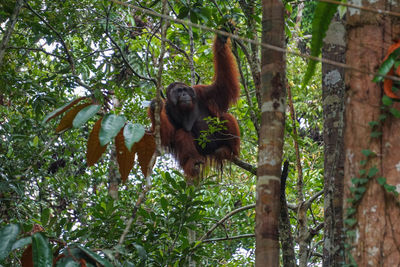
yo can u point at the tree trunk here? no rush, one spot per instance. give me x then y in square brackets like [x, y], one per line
[271, 136]
[374, 227]
[333, 90]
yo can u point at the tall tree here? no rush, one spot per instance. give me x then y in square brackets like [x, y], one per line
[270, 153]
[333, 90]
[371, 141]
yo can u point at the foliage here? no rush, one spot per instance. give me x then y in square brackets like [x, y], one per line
[322, 18]
[105, 56]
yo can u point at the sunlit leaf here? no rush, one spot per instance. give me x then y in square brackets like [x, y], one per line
[84, 115]
[8, 235]
[323, 15]
[66, 121]
[62, 109]
[42, 255]
[110, 126]
[132, 134]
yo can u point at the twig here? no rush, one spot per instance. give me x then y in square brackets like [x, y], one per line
[229, 238]
[227, 216]
[122, 52]
[37, 50]
[248, 97]
[70, 59]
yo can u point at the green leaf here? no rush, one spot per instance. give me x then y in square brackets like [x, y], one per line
[132, 134]
[183, 12]
[350, 222]
[141, 251]
[22, 242]
[44, 217]
[363, 162]
[376, 134]
[387, 65]
[387, 101]
[36, 141]
[84, 115]
[61, 109]
[96, 257]
[164, 204]
[351, 233]
[8, 235]
[68, 262]
[373, 123]
[389, 188]
[323, 15]
[350, 211]
[372, 172]
[367, 152]
[395, 112]
[42, 255]
[110, 126]
[382, 117]
[381, 180]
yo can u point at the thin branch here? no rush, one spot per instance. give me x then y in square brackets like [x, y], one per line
[10, 29]
[70, 59]
[300, 196]
[248, 97]
[37, 50]
[229, 238]
[227, 216]
[122, 52]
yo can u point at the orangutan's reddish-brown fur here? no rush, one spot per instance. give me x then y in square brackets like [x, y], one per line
[182, 115]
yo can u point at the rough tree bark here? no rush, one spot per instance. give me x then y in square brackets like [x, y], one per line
[377, 231]
[333, 90]
[271, 135]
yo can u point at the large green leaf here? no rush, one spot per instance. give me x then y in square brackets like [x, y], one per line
[132, 134]
[110, 126]
[42, 255]
[61, 109]
[387, 65]
[68, 262]
[8, 235]
[84, 115]
[96, 257]
[323, 15]
[21, 242]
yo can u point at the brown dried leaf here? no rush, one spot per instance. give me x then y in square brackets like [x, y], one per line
[66, 121]
[94, 149]
[125, 158]
[66, 108]
[27, 257]
[145, 149]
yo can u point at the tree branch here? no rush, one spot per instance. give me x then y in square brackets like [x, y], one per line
[244, 165]
[230, 214]
[10, 29]
[229, 238]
